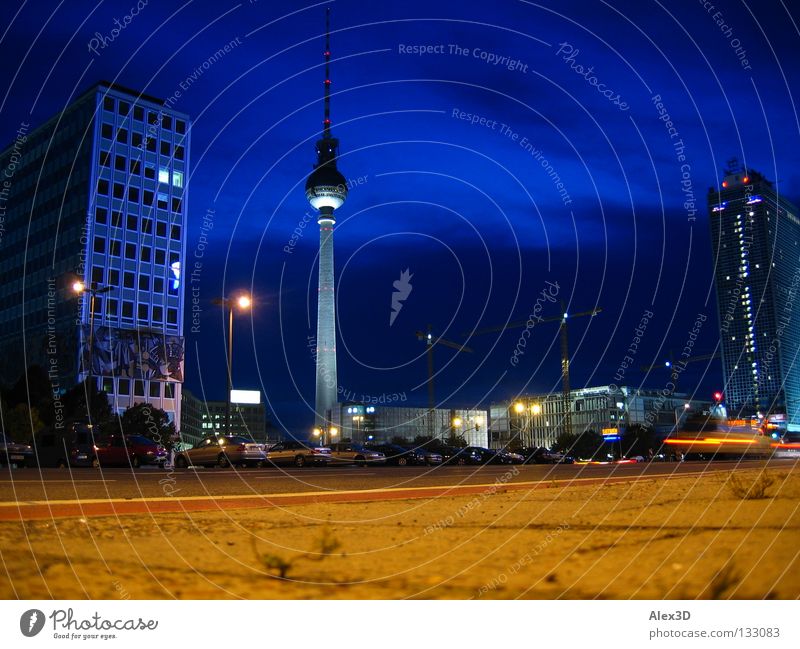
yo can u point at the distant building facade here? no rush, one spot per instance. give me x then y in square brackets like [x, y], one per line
[200, 418]
[361, 423]
[191, 428]
[538, 420]
[97, 194]
[755, 234]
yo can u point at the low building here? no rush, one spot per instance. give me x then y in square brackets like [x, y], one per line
[362, 422]
[191, 427]
[203, 418]
[538, 419]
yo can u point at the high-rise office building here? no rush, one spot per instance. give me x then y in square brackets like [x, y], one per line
[755, 234]
[96, 198]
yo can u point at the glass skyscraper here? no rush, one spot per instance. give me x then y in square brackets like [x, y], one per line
[755, 235]
[97, 194]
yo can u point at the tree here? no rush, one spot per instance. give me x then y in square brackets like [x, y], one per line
[565, 443]
[21, 422]
[145, 419]
[74, 402]
[639, 440]
[586, 445]
[33, 388]
[459, 441]
[698, 422]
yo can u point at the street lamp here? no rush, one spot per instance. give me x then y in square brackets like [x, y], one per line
[94, 289]
[527, 422]
[319, 433]
[358, 419]
[684, 407]
[536, 410]
[243, 302]
[455, 424]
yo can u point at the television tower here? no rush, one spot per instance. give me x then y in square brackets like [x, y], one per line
[326, 190]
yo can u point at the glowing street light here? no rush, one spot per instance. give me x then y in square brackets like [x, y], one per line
[519, 408]
[685, 407]
[94, 289]
[243, 301]
[536, 409]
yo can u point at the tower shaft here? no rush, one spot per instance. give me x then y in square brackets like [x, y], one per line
[326, 190]
[327, 383]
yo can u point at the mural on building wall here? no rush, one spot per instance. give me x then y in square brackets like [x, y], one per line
[147, 355]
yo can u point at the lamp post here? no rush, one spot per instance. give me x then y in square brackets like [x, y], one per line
[536, 410]
[519, 408]
[243, 302]
[684, 407]
[94, 289]
[358, 419]
[527, 423]
[455, 424]
[325, 435]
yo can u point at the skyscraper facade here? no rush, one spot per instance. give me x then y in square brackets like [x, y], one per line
[96, 198]
[326, 190]
[755, 235]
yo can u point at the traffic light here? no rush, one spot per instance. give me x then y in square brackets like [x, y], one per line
[718, 396]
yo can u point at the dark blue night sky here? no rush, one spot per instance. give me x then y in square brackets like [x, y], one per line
[473, 213]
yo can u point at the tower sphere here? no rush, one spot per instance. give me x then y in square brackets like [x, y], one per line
[326, 187]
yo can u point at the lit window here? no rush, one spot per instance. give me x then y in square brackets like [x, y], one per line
[177, 178]
[163, 175]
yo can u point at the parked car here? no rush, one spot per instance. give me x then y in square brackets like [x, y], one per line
[223, 451]
[13, 453]
[511, 457]
[541, 455]
[347, 453]
[298, 453]
[128, 450]
[72, 445]
[488, 455]
[428, 456]
[399, 455]
[456, 455]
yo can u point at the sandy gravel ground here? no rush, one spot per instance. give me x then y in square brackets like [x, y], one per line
[678, 538]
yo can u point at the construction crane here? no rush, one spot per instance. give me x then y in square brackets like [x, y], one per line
[670, 364]
[675, 375]
[563, 318]
[430, 342]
